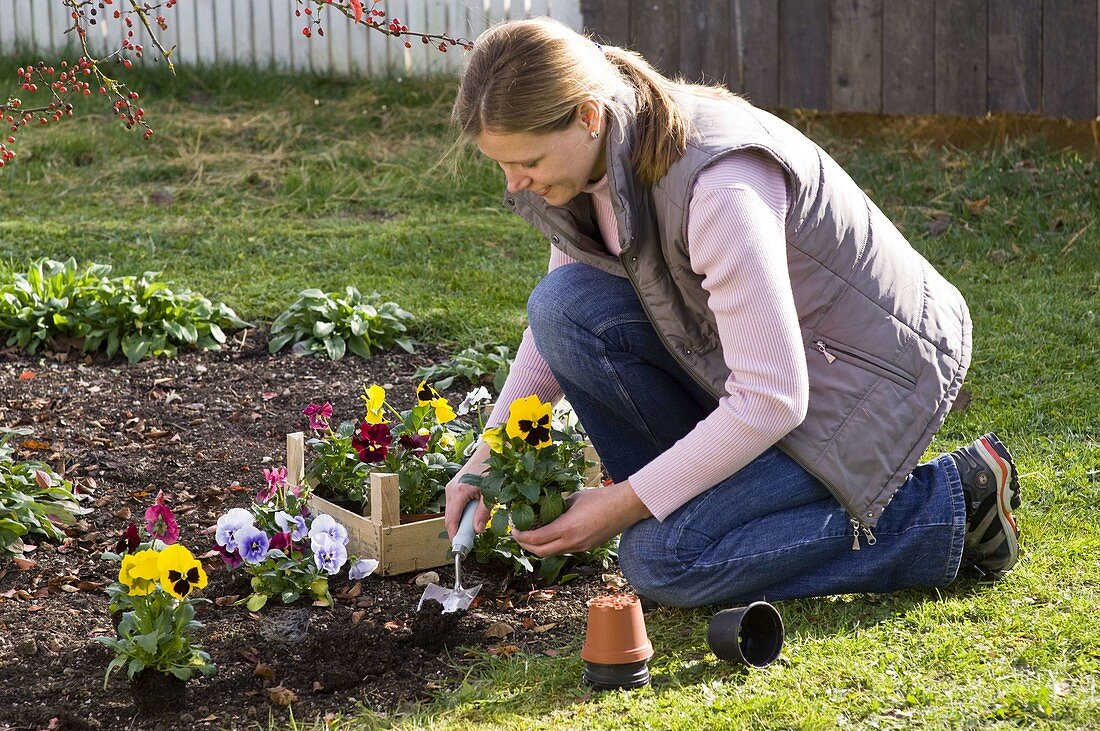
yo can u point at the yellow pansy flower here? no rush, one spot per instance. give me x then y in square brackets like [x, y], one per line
[443, 410]
[446, 440]
[180, 572]
[375, 399]
[139, 572]
[529, 419]
[425, 393]
[493, 438]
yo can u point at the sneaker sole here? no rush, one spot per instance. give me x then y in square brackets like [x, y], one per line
[1008, 494]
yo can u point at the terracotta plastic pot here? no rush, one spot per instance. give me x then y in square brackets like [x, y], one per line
[616, 648]
[752, 635]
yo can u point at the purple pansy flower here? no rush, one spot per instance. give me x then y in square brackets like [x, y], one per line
[328, 554]
[229, 525]
[295, 524]
[325, 524]
[362, 568]
[252, 544]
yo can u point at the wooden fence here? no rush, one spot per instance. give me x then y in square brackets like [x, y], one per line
[265, 33]
[963, 57]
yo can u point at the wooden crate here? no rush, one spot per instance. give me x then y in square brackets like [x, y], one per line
[399, 548]
[416, 546]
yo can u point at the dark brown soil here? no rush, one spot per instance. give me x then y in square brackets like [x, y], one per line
[201, 427]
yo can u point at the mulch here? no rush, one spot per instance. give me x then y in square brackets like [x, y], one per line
[201, 427]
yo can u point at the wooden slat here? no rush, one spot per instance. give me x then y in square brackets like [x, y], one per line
[609, 21]
[803, 54]
[187, 41]
[435, 22]
[1069, 59]
[7, 27]
[754, 50]
[908, 57]
[855, 40]
[295, 458]
[337, 37]
[704, 40]
[1015, 56]
[657, 37]
[536, 8]
[281, 48]
[961, 65]
[568, 12]
[358, 49]
[385, 498]
[476, 20]
[204, 23]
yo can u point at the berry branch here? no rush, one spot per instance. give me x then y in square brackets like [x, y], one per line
[76, 77]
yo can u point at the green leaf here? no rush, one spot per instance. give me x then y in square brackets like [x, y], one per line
[256, 602]
[523, 516]
[551, 505]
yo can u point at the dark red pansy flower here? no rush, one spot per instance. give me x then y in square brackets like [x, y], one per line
[129, 540]
[415, 443]
[372, 442]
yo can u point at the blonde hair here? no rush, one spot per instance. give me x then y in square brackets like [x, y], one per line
[529, 76]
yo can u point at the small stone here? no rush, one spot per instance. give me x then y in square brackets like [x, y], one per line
[428, 577]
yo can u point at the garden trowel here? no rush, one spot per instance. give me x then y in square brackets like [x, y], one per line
[457, 598]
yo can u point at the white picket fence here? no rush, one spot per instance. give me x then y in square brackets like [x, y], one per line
[266, 34]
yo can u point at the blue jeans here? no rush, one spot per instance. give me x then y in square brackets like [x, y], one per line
[771, 530]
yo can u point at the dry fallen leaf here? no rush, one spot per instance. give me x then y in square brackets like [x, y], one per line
[123, 513]
[977, 206]
[614, 581]
[499, 630]
[27, 375]
[281, 696]
[545, 628]
[551, 652]
[23, 564]
[394, 625]
[357, 616]
[503, 650]
[264, 671]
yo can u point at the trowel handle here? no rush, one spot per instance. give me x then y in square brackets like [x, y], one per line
[464, 539]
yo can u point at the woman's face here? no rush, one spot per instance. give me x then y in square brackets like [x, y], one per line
[557, 165]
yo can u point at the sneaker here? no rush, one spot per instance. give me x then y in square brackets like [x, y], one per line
[991, 488]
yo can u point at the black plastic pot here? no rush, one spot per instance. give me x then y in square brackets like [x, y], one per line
[752, 635]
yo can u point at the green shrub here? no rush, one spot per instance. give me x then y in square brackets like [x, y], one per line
[33, 499]
[475, 364]
[139, 315]
[331, 324]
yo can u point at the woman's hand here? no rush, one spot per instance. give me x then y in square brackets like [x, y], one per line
[459, 493]
[592, 517]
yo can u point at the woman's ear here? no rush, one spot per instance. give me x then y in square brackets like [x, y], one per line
[590, 115]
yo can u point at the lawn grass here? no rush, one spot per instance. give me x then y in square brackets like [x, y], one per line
[267, 185]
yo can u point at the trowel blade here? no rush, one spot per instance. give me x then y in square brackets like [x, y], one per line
[451, 599]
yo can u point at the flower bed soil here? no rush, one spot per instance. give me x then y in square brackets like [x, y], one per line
[201, 428]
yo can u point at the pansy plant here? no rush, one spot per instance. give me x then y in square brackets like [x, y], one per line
[535, 460]
[424, 445]
[155, 597]
[290, 552]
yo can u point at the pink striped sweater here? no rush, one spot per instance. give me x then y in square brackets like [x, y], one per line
[737, 244]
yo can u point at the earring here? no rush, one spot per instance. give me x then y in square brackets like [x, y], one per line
[595, 134]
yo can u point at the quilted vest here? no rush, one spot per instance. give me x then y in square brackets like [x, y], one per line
[887, 339]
